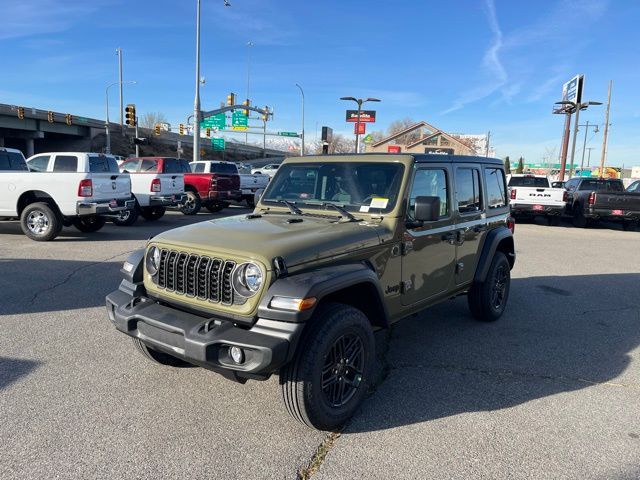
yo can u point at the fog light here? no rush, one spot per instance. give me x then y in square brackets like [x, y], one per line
[237, 355]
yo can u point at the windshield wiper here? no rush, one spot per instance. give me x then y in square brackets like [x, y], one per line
[292, 208]
[343, 211]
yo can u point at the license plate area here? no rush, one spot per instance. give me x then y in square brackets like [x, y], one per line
[617, 212]
[113, 203]
[538, 207]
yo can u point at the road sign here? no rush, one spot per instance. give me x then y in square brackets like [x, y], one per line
[218, 144]
[572, 90]
[288, 134]
[239, 121]
[368, 139]
[359, 128]
[366, 116]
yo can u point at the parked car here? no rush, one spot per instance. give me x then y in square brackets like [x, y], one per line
[250, 184]
[337, 247]
[156, 183]
[52, 190]
[592, 199]
[531, 195]
[212, 188]
[269, 169]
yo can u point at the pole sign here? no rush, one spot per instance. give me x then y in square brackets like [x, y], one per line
[366, 116]
[239, 120]
[218, 144]
[572, 90]
[327, 134]
[359, 128]
[288, 134]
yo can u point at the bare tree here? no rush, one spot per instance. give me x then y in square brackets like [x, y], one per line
[150, 119]
[339, 144]
[399, 125]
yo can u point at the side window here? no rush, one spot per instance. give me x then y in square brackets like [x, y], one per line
[429, 182]
[149, 166]
[198, 168]
[571, 185]
[39, 163]
[496, 190]
[635, 187]
[172, 165]
[468, 190]
[65, 163]
[130, 166]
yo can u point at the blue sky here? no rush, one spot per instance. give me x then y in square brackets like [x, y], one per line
[465, 66]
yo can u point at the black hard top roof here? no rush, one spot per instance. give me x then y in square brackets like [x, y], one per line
[423, 157]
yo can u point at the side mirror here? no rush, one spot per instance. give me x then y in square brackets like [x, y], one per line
[427, 209]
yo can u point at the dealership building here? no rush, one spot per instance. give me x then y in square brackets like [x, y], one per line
[423, 137]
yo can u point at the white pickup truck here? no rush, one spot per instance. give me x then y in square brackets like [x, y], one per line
[156, 183]
[532, 195]
[61, 189]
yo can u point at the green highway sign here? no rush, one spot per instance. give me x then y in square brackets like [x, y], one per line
[218, 121]
[288, 134]
[239, 121]
[217, 144]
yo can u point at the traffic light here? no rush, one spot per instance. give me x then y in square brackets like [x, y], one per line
[130, 115]
[21, 113]
[247, 102]
[157, 129]
[231, 99]
[68, 118]
[208, 132]
[181, 129]
[265, 115]
[50, 117]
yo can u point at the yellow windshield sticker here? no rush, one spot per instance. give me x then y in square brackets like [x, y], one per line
[379, 203]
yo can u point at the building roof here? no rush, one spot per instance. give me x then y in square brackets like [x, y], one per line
[444, 134]
[410, 128]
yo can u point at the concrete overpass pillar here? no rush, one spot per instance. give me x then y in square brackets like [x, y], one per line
[30, 147]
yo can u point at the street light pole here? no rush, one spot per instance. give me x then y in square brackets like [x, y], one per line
[359, 101]
[575, 136]
[584, 145]
[249, 45]
[606, 132]
[106, 123]
[196, 101]
[575, 107]
[302, 92]
[119, 53]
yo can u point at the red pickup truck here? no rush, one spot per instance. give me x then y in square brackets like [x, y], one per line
[212, 190]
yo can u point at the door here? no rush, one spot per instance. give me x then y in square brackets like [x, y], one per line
[471, 220]
[429, 250]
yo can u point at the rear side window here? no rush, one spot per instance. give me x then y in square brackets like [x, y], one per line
[537, 182]
[468, 190]
[197, 168]
[39, 163]
[102, 163]
[496, 190]
[12, 161]
[172, 165]
[228, 168]
[65, 163]
[150, 166]
[129, 166]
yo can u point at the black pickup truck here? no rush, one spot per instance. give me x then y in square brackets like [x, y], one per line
[593, 199]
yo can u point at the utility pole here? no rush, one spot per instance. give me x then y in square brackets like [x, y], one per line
[589, 156]
[249, 45]
[119, 53]
[606, 132]
[565, 144]
[584, 145]
[487, 145]
[137, 146]
[196, 101]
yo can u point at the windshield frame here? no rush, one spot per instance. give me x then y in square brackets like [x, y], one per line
[317, 205]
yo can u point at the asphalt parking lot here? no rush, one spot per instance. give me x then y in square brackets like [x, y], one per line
[552, 390]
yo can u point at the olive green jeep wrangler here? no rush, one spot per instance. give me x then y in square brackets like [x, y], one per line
[337, 247]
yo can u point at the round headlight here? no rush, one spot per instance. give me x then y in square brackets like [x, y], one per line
[152, 261]
[247, 279]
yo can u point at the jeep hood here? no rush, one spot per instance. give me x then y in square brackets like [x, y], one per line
[273, 235]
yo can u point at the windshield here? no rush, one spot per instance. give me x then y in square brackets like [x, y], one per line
[602, 185]
[354, 185]
[538, 182]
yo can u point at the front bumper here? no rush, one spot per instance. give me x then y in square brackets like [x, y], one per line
[224, 195]
[105, 208]
[536, 209]
[167, 200]
[267, 345]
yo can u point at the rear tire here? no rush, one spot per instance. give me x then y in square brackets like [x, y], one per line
[579, 220]
[553, 220]
[126, 218]
[152, 213]
[630, 226]
[160, 358]
[215, 207]
[193, 203]
[40, 222]
[89, 223]
[329, 376]
[488, 300]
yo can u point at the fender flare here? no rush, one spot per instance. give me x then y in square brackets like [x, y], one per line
[494, 237]
[320, 283]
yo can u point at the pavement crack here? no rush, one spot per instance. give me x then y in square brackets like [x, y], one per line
[511, 373]
[71, 274]
[306, 472]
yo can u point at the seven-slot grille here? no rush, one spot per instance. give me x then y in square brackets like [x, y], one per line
[196, 276]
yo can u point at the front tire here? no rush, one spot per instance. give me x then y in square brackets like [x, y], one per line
[40, 223]
[152, 213]
[579, 220]
[488, 300]
[193, 203]
[157, 357]
[89, 223]
[328, 378]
